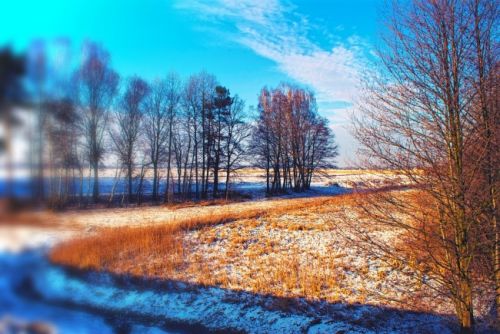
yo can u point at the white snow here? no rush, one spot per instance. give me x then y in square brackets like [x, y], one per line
[213, 307]
[17, 238]
[13, 307]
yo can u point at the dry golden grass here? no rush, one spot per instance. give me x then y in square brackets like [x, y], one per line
[212, 202]
[117, 249]
[123, 245]
[287, 251]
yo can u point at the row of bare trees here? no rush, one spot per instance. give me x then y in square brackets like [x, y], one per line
[187, 138]
[432, 113]
[290, 138]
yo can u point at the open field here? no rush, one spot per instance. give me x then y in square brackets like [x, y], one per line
[298, 251]
[248, 181]
[292, 259]
[287, 248]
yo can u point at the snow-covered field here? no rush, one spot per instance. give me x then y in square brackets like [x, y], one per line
[245, 276]
[230, 311]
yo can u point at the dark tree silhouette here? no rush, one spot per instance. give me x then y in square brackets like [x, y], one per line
[12, 70]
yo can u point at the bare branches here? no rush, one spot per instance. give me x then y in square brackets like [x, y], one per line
[291, 139]
[420, 117]
[128, 120]
[97, 86]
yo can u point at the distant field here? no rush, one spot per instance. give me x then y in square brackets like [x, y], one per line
[249, 181]
[243, 172]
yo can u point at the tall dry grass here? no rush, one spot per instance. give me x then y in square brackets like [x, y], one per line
[159, 250]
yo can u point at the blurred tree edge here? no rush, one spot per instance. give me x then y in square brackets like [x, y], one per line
[12, 70]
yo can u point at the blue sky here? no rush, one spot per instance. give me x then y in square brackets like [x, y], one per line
[323, 44]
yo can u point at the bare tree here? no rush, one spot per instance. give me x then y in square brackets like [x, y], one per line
[173, 86]
[262, 135]
[12, 69]
[63, 140]
[182, 146]
[97, 86]
[128, 117]
[37, 67]
[237, 131]
[197, 103]
[192, 109]
[291, 139]
[207, 84]
[418, 119]
[156, 128]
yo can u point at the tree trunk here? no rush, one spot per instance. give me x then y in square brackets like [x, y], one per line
[95, 189]
[464, 308]
[268, 160]
[496, 250]
[155, 182]
[197, 190]
[215, 190]
[169, 161]
[80, 201]
[113, 189]
[204, 163]
[228, 169]
[41, 181]
[141, 183]
[10, 169]
[129, 177]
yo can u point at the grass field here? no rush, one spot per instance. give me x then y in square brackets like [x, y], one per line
[297, 247]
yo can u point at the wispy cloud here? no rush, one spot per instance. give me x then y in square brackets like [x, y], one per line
[274, 30]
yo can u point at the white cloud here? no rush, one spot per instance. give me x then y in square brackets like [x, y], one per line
[274, 30]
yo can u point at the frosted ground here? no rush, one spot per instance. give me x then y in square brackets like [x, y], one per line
[34, 290]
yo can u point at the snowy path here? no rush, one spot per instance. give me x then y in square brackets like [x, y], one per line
[164, 215]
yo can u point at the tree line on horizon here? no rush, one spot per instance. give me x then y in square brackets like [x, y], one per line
[191, 136]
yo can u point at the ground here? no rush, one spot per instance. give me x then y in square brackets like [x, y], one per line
[271, 265]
